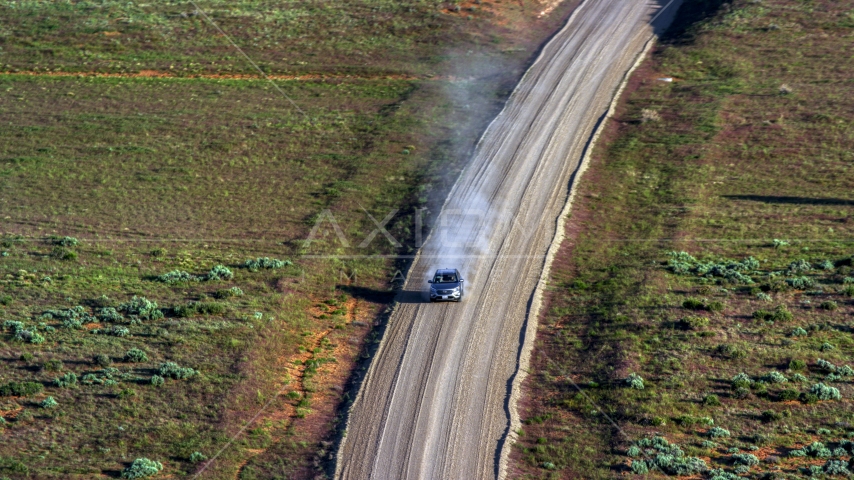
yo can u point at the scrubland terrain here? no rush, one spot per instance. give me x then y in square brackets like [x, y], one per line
[699, 315]
[159, 297]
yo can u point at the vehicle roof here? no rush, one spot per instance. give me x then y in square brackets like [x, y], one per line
[443, 271]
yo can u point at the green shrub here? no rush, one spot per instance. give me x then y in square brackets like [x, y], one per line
[836, 467]
[49, 402]
[102, 360]
[721, 474]
[730, 351]
[694, 304]
[826, 347]
[715, 306]
[66, 381]
[639, 467]
[176, 277]
[797, 365]
[829, 305]
[5, 300]
[764, 297]
[142, 308]
[763, 314]
[848, 291]
[52, 365]
[219, 272]
[781, 314]
[172, 370]
[228, 293]
[718, 432]
[62, 253]
[136, 355]
[197, 457]
[824, 365]
[142, 468]
[824, 392]
[788, 395]
[774, 377]
[26, 357]
[747, 459]
[157, 380]
[269, 263]
[771, 416]
[800, 283]
[28, 336]
[21, 389]
[199, 308]
[633, 451]
[808, 398]
[826, 265]
[634, 381]
[818, 450]
[800, 266]
[110, 314]
[742, 380]
[799, 332]
[67, 242]
[711, 400]
[693, 322]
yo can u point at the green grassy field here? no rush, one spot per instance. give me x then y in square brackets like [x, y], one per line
[155, 181]
[744, 163]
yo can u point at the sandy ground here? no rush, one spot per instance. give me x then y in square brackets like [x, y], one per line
[439, 398]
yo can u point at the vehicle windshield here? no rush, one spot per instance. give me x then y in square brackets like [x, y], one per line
[446, 278]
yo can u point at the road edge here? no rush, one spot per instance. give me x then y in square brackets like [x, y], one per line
[532, 322]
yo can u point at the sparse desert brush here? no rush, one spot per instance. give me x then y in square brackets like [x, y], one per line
[650, 115]
[66, 381]
[173, 370]
[176, 277]
[253, 265]
[136, 355]
[49, 403]
[142, 468]
[800, 266]
[142, 308]
[824, 392]
[219, 272]
[228, 293]
[694, 322]
[829, 305]
[21, 389]
[800, 283]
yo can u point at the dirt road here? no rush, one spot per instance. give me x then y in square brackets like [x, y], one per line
[438, 399]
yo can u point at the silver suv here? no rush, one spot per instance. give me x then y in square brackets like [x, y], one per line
[447, 284]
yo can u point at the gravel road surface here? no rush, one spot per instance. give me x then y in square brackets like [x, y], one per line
[439, 398]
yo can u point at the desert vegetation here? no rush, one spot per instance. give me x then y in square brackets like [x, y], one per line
[709, 255]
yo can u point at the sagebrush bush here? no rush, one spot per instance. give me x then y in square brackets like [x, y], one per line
[824, 392]
[747, 459]
[228, 293]
[824, 365]
[176, 277]
[173, 370]
[829, 305]
[136, 355]
[730, 351]
[67, 242]
[711, 400]
[142, 468]
[142, 308]
[264, 262]
[21, 389]
[199, 308]
[774, 377]
[634, 381]
[219, 272]
[694, 304]
[836, 467]
[110, 314]
[157, 380]
[718, 432]
[800, 266]
[826, 347]
[800, 283]
[742, 380]
[49, 402]
[197, 457]
[670, 459]
[639, 467]
[66, 381]
[799, 332]
[799, 378]
[102, 360]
